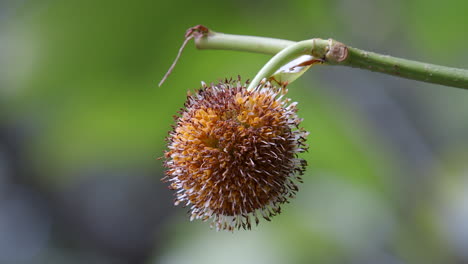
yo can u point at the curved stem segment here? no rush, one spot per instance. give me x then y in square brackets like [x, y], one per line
[305, 47]
[333, 53]
[284, 56]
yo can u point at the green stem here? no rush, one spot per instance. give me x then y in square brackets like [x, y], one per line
[286, 55]
[215, 40]
[334, 54]
[407, 68]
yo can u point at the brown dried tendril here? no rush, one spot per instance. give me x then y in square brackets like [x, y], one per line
[233, 154]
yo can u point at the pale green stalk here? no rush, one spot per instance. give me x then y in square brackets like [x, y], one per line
[332, 53]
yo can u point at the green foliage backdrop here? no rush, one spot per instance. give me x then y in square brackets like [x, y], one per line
[387, 177]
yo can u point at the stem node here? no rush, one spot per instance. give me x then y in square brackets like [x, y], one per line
[338, 52]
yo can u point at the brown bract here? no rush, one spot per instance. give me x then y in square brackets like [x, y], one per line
[233, 154]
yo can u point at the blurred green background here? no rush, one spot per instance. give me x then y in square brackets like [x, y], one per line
[82, 122]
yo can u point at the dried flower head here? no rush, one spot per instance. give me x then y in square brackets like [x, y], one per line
[233, 154]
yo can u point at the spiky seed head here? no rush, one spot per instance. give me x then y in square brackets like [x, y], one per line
[232, 156]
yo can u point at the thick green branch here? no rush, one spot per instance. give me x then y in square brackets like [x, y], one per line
[407, 68]
[335, 54]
